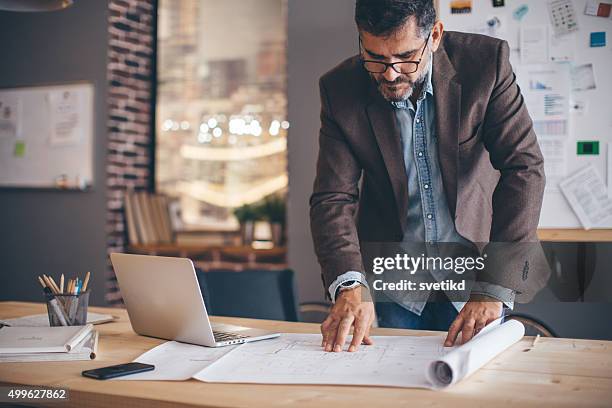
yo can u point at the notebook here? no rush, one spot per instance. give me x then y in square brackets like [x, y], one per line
[42, 320]
[41, 339]
[87, 349]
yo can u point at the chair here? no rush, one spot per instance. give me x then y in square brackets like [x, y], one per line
[258, 294]
[533, 326]
[314, 312]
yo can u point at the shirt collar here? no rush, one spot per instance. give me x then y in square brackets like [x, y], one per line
[427, 89]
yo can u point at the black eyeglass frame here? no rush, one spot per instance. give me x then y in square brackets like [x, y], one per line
[364, 62]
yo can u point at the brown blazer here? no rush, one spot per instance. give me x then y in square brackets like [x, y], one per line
[491, 164]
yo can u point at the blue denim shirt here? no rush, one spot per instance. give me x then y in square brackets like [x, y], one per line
[428, 216]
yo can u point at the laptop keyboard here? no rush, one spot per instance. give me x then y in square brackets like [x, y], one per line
[226, 336]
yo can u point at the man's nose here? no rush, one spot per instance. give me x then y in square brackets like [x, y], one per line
[390, 74]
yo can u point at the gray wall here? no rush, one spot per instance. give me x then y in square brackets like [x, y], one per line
[47, 231]
[321, 34]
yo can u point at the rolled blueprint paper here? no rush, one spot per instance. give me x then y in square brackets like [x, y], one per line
[469, 357]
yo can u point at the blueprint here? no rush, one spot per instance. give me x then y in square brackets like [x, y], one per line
[392, 361]
[398, 361]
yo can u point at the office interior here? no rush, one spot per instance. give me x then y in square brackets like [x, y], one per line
[206, 117]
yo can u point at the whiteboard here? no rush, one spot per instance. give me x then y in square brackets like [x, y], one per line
[589, 111]
[46, 136]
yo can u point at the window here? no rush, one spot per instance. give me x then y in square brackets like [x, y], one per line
[221, 106]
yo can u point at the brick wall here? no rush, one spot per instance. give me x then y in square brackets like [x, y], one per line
[131, 93]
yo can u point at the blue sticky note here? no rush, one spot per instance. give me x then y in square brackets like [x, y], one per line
[598, 39]
[520, 12]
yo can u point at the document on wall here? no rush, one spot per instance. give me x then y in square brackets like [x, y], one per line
[10, 116]
[583, 78]
[534, 44]
[555, 161]
[65, 115]
[546, 91]
[587, 195]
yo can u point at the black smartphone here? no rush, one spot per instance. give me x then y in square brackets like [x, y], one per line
[119, 370]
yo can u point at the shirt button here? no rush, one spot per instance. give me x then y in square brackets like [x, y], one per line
[420, 154]
[418, 120]
[429, 216]
[426, 186]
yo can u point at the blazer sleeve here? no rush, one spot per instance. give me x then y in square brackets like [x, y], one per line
[334, 200]
[514, 152]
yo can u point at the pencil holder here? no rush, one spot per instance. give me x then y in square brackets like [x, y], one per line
[68, 310]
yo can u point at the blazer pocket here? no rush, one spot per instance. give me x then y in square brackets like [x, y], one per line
[473, 139]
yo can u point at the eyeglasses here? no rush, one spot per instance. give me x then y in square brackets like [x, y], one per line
[402, 67]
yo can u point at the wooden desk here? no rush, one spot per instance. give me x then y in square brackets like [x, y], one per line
[558, 372]
[575, 235]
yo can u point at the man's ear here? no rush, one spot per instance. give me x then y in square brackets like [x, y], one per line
[436, 35]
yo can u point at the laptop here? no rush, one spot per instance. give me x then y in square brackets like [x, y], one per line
[163, 300]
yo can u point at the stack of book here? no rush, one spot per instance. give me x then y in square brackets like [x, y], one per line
[148, 219]
[62, 343]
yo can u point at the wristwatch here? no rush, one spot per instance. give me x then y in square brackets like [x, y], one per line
[346, 286]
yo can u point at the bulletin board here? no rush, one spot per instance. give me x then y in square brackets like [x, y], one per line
[46, 136]
[562, 57]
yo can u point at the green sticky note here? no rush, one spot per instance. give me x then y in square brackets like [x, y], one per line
[587, 147]
[19, 149]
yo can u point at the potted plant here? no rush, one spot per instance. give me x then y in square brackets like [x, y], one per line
[274, 208]
[246, 215]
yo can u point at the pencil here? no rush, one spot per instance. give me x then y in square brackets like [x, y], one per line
[57, 289]
[84, 288]
[62, 283]
[42, 282]
[48, 282]
[535, 340]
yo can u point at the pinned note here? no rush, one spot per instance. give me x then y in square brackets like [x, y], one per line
[562, 16]
[19, 148]
[598, 39]
[520, 12]
[598, 8]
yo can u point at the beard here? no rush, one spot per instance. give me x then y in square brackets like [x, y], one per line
[400, 89]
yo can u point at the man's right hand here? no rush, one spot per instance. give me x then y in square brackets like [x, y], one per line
[353, 308]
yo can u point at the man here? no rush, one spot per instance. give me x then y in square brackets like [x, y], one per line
[434, 127]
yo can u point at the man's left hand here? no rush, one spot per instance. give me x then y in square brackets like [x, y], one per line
[476, 314]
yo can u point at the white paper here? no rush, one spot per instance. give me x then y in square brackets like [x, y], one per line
[546, 91]
[534, 44]
[463, 361]
[583, 78]
[10, 116]
[393, 361]
[65, 114]
[562, 49]
[176, 361]
[399, 361]
[587, 195]
[562, 16]
[42, 320]
[555, 161]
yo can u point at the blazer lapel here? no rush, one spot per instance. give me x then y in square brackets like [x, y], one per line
[447, 96]
[384, 124]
